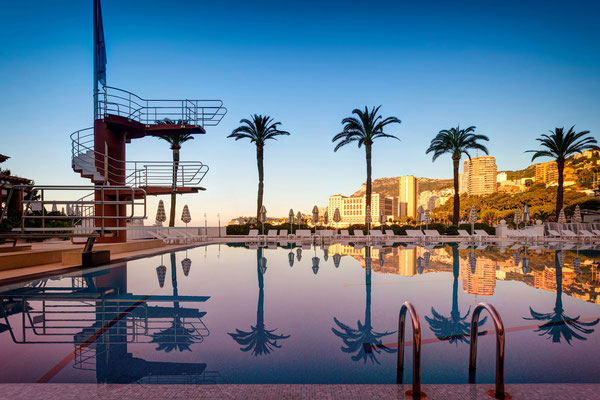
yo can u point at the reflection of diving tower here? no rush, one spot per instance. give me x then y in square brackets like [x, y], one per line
[98, 315]
[98, 153]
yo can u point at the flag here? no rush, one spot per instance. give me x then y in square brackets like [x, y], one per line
[99, 45]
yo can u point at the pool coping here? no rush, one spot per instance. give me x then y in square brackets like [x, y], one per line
[65, 391]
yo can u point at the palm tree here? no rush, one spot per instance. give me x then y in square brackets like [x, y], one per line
[560, 145]
[456, 141]
[558, 324]
[175, 140]
[457, 328]
[364, 130]
[259, 339]
[258, 129]
[363, 341]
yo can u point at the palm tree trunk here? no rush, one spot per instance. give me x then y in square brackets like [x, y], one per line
[456, 212]
[560, 165]
[368, 194]
[260, 312]
[261, 177]
[368, 286]
[174, 187]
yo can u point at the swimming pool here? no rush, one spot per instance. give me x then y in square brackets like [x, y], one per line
[234, 314]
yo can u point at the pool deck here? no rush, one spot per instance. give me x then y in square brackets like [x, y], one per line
[67, 391]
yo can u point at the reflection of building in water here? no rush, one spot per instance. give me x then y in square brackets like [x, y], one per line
[482, 282]
[546, 278]
[396, 260]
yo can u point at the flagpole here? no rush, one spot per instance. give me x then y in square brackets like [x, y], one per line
[95, 36]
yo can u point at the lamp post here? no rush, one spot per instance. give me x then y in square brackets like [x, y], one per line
[219, 217]
[205, 226]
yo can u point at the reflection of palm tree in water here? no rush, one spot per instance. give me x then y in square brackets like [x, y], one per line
[259, 339]
[558, 324]
[363, 341]
[456, 328]
[177, 336]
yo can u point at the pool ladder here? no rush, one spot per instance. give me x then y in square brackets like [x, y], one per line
[416, 392]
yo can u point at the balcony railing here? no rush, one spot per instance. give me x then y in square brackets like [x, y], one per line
[135, 173]
[114, 101]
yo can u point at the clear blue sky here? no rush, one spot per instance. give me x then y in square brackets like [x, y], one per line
[513, 69]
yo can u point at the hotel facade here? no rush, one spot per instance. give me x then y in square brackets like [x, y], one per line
[353, 208]
[479, 176]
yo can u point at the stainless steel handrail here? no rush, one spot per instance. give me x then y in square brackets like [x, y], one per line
[139, 173]
[115, 101]
[416, 379]
[87, 210]
[499, 325]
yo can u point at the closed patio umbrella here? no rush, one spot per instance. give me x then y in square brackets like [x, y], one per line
[315, 265]
[315, 217]
[161, 216]
[420, 211]
[299, 254]
[426, 219]
[291, 258]
[326, 218]
[185, 215]
[337, 217]
[262, 217]
[472, 218]
[526, 217]
[517, 218]
[577, 214]
[291, 220]
[161, 273]
[336, 260]
[186, 264]
[299, 219]
[472, 261]
[561, 217]
[263, 265]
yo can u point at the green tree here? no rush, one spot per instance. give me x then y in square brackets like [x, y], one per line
[559, 146]
[456, 141]
[367, 126]
[258, 129]
[175, 140]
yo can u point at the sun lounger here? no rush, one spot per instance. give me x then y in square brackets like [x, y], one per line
[463, 233]
[166, 237]
[326, 234]
[283, 234]
[271, 236]
[192, 237]
[432, 233]
[253, 234]
[344, 234]
[304, 235]
[358, 234]
[481, 234]
[415, 233]
[390, 234]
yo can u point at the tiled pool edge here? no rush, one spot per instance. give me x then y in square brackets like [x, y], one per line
[67, 391]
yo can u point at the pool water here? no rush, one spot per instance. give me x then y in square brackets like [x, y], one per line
[237, 314]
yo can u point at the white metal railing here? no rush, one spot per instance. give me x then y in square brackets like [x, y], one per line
[82, 213]
[134, 173]
[115, 101]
